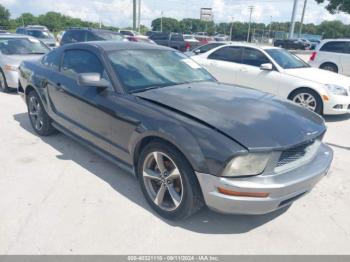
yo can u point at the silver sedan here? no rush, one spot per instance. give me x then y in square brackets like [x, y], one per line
[13, 50]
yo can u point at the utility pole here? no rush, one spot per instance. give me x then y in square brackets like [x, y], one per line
[270, 27]
[251, 9]
[134, 15]
[302, 19]
[139, 17]
[231, 28]
[292, 26]
[161, 22]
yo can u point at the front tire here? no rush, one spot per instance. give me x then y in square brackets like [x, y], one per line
[309, 99]
[40, 120]
[3, 84]
[168, 181]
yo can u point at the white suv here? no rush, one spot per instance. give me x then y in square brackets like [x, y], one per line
[332, 55]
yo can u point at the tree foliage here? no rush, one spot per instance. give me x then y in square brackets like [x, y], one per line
[4, 17]
[334, 6]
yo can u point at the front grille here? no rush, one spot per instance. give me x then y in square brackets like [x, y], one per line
[293, 154]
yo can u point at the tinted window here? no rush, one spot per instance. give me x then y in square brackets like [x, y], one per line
[51, 60]
[159, 36]
[74, 36]
[336, 47]
[126, 33]
[81, 61]
[228, 53]
[39, 34]
[206, 48]
[92, 37]
[176, 37]
[139, 70]
[286, 59]
[254, 57]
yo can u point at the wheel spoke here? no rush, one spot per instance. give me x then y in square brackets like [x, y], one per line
[160, 161]
[174, 195]
[174, 174]
[37, 124]
[150, 174]
[160, 195]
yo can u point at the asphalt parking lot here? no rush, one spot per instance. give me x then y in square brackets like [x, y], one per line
[59, 198]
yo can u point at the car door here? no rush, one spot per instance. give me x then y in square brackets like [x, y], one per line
[223, 63]
[345, 60]
[82, 109]
[250, 74]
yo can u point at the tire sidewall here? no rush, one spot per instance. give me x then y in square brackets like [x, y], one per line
[4, 88]
[186, 172]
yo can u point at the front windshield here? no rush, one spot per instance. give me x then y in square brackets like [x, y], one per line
[139, 70]
[39, 34]
[22, 46]
[285, 59]
[109, 36]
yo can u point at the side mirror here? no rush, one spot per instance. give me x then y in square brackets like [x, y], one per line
[92, 79]
[197, 51]
[266, 67]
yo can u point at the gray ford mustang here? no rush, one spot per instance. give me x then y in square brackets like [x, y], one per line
[189, 140]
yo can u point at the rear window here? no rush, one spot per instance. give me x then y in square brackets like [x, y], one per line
[335, 47]
[229, 54]
[159, 36]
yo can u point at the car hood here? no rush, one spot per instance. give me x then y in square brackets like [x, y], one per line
[16, 60]
[320, 76]
[256, 120]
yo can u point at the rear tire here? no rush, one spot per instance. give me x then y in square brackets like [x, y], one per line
[39, 119]
[172, 177]
[308, 98]
[330, 67]
[3, 84]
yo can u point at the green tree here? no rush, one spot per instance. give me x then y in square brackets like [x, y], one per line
[26, 19]
[169, 25]
[4, 17]
[335, 6]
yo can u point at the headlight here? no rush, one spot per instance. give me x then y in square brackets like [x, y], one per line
[10, 68]
[247, 165]
[337, 90]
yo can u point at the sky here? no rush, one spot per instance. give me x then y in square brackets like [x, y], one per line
[119, 12]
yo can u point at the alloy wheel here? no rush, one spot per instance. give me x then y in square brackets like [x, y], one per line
[36, 113]
[306, 100]
[162, 180]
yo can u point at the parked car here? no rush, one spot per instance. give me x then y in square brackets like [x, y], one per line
[296, 44]
[277, 71]
[39, 32]
[191, 39]
[135, 36]
[332, 55]
[204, 48]
[221, 37]
[173, 40]
[13, 50]
[4, 32]
[189, 139]
[77, 35]
[314, 43]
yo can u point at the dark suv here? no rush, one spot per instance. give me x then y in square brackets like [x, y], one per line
[39, 32]
[173, 40]
[75, 35]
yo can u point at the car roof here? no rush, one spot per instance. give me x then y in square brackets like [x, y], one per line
[14, 36]
[118, 45]
[244, 44]
[336, 40]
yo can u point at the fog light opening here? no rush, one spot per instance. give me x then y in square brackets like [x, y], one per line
[230, 192]
[339, 107]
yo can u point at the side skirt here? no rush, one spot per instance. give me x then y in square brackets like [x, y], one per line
[126, 167]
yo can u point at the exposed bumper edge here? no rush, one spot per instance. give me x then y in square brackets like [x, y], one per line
[283, 189]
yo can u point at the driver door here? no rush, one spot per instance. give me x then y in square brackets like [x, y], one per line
[81, 109]
[250, 74]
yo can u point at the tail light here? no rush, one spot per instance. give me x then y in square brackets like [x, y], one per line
[187, 46]
[313, 56]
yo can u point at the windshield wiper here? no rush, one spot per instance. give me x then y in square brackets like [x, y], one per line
[147, 88]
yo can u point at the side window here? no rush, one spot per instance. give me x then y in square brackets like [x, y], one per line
[254, 57]
[335, 47]
[228, 53]
[92, 37]
[159, 36]
[176, 37]
[51, 60]
[80, 61]
[74, 36]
